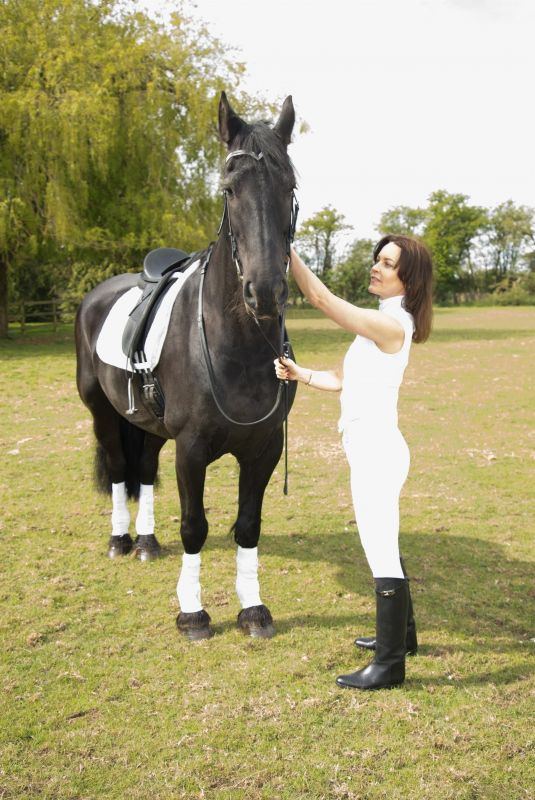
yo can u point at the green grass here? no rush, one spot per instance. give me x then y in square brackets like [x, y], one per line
[102, 699]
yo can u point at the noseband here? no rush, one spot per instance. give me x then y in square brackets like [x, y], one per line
[226, 210]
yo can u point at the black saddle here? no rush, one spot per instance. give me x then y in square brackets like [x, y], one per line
[159, 261]
[158, 268]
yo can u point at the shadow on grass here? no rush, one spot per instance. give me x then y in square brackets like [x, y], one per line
[473, 606]
[479, 334]
[285, 625]
[460, 584]
[36, 344]
[315, 340]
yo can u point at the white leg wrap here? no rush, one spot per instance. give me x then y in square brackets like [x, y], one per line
[247, 585]
[120, 516]
[188, 588]
[145, 514]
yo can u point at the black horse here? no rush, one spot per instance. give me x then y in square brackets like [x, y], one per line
[235, 303]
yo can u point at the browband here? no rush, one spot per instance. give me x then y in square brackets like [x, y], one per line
[244, 153]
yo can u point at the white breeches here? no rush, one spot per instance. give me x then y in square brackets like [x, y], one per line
[379, 462]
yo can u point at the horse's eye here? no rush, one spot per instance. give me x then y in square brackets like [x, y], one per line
[228, 191]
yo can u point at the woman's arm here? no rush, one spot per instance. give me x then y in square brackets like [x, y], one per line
[328, 380]
[386, 332]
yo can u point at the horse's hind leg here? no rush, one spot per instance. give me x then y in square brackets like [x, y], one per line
[254, 618]
[111, 469]
[126, 464]
[147, 547]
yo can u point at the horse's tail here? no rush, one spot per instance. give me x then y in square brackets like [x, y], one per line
[132, 441]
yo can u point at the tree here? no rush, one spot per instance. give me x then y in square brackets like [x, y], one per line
[317, 238]
[403, 220]
[511, 229]
[351, 276]
[451, 226]
[108, 144]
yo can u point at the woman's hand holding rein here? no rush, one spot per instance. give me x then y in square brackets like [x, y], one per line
[288, 370]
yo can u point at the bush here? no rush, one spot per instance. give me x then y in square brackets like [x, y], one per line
[517, 295]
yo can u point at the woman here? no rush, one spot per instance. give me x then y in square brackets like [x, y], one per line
[401, 277]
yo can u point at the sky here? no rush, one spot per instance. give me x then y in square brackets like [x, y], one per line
[401, 97]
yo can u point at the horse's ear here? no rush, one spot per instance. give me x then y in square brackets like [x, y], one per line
[229, 122]
[286, 121]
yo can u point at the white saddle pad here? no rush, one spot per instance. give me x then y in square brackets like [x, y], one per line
[109, 342]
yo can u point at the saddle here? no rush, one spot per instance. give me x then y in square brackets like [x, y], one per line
[159, 266]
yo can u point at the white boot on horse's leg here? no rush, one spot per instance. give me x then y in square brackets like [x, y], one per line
[193, 620]
[254, 618]
[147, 546]
[247, 585]
[120, 543]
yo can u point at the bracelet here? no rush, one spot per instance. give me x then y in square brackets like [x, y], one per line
[309, 379]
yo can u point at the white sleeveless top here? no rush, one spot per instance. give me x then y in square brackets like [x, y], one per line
[372, 378]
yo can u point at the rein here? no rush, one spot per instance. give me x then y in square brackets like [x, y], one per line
[284, 346]
[208, 360]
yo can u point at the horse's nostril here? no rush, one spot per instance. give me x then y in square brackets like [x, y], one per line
[249, 294]
[281, 294]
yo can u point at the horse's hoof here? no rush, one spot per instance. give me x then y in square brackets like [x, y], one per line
[256, 621]
[195, 626]
[120, 545]
[147, 548]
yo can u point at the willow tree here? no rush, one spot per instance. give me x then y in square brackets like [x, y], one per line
[108, 144]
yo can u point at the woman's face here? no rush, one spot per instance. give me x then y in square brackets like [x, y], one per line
[384, 280]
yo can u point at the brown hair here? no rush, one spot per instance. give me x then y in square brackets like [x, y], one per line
[415, 271]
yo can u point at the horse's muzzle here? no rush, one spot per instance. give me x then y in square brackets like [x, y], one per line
[266, 300]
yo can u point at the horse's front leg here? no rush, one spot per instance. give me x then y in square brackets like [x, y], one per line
[255, 618]
[193, 621]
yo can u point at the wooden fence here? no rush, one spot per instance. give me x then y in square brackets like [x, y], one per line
[37, 311]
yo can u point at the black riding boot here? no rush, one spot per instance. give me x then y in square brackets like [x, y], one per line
[388, 667]
[368, 642]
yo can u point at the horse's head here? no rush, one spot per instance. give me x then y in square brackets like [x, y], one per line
[259, 183]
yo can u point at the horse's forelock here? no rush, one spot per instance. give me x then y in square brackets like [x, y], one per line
[260, 137]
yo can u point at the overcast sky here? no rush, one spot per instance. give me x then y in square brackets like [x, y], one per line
[402, 97]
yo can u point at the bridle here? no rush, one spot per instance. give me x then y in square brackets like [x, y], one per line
[234, 248]
[284, 346]
[226, 212]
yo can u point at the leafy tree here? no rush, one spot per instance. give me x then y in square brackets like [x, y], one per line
[108, 144]
[403, 220]
[317, 239]
[511, 229]
[351, 276]
[450, 228]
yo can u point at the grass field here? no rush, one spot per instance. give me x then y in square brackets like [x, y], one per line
[100, 698]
